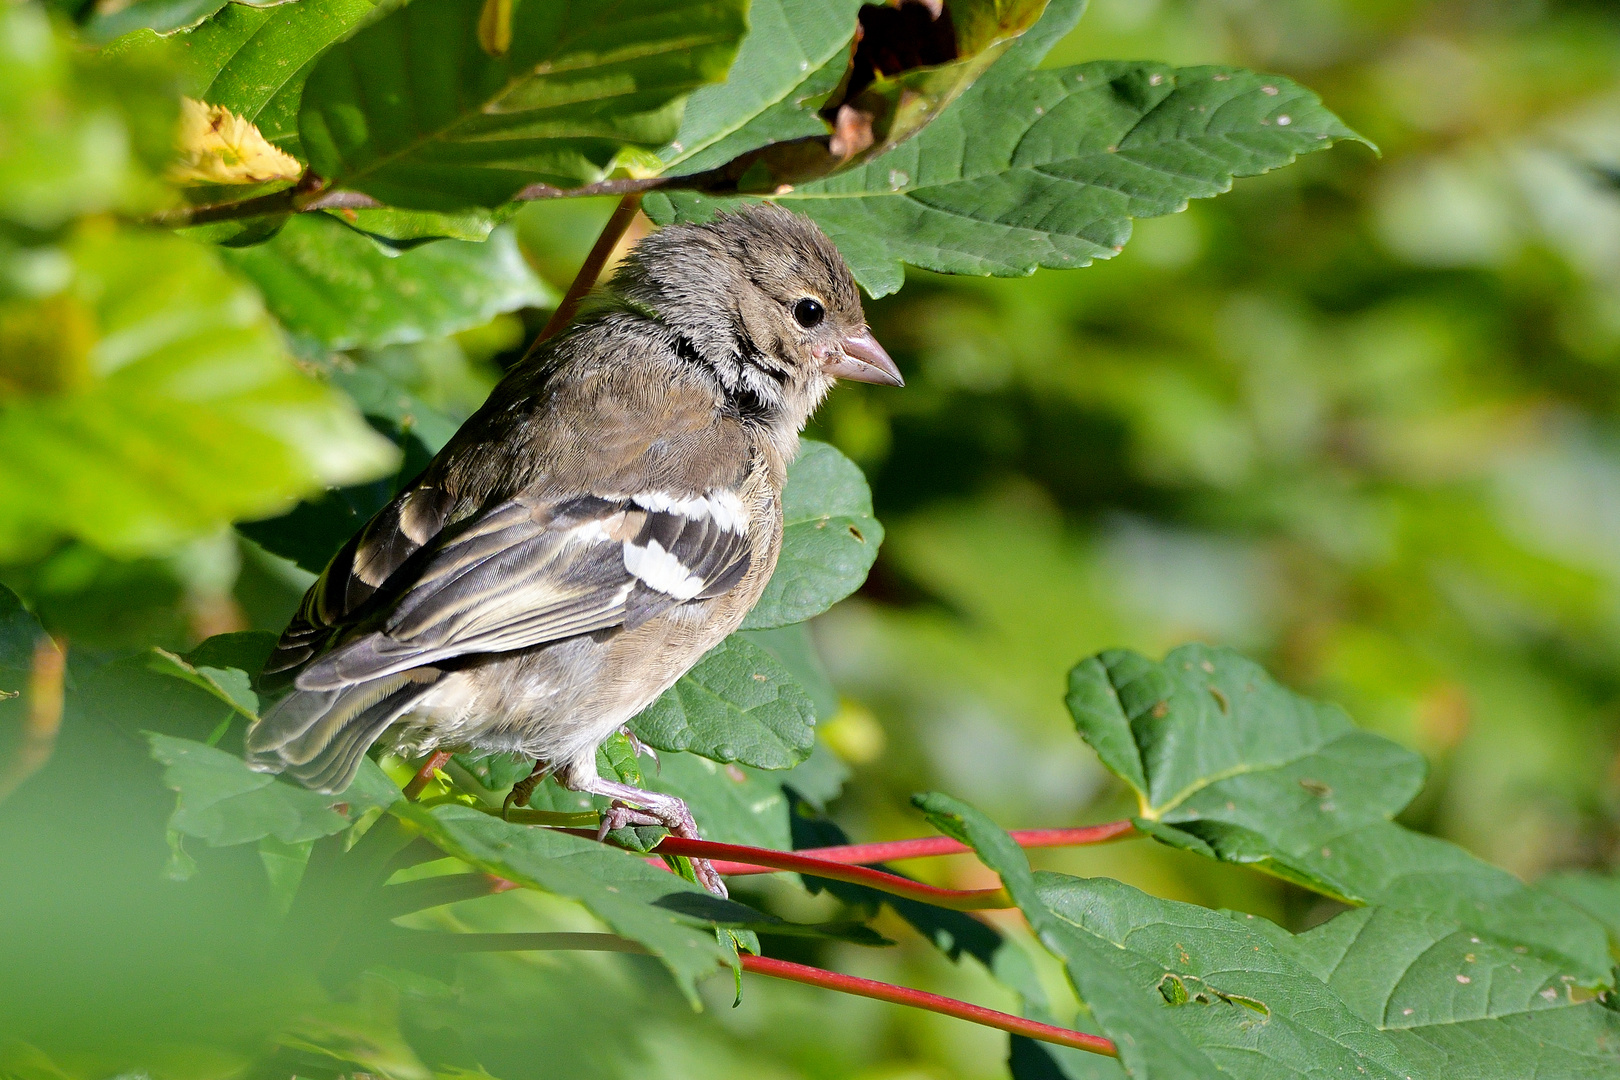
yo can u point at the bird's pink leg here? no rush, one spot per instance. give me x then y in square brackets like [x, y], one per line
[635, 806]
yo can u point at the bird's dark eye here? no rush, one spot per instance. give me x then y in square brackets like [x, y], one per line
[809, 312]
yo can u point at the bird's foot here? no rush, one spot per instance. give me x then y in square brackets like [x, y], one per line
[634, 806]
[622, 815]
[640, 748]
[523, 790]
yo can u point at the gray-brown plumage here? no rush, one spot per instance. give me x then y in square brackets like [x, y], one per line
[609, 515]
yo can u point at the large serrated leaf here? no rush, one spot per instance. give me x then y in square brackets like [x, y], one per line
[224, 802]
[168, 376]
[1185, 993]
[829, 539]
[1215, 749]
[738, 704]
[1047, 168]
[1229, 764]
[1459, 1005]
[331, 285]
[416, 112]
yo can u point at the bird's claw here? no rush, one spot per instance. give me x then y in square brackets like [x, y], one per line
[523, 790]
[639, 748]
[656, 809]
[622, 815]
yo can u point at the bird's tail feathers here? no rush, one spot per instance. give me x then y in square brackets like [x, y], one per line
[317, 737]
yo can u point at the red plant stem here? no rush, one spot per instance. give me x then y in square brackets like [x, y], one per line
[956, 899]
[835, 863]
[927, 846]
[424, 775]
[601, 251]
[918, 999]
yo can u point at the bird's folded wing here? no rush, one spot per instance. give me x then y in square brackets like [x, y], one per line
[524, 573]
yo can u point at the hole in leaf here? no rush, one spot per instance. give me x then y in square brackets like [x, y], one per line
[856, 533]
[1220, 699]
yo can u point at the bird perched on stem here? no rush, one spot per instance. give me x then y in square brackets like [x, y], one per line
[610, 514]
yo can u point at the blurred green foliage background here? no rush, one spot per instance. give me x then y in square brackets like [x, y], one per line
[1360, 418]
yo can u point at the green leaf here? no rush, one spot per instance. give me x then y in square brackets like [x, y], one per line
[405, 229]
[1228, 764]
[1246, 769]
[673, 918]
[1596, 894]
[1047, 168]
[794, 56]
[1184, 992]
[244, 650]
[159, 16]
[829, 540]
[19, 632]
[795, 649]
[19, 636]
[1459, 1005]
[904, 71]
[736, 705]
[224, 802]
[232, 686]
[413, 111]
[75, 127]
[167, 378]
[254, 60]
[333, 286]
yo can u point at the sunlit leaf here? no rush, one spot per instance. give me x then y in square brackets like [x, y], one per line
[159, 16]
[254, 60]
[1458, 1004]
[183, 413]
[75, 126]
[414, 111]
[1048, 167]
[334, 286]
[1183, 991]
[1227, 763]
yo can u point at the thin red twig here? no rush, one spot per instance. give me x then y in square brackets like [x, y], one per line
[956, 899]
[424, 775]
[776, 969]
[918, 999]
[924, 847]
[841, 863]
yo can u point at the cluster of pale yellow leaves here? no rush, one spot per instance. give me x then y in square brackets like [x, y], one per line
[218, 147]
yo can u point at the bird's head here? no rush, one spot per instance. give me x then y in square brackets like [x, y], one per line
[765, 299]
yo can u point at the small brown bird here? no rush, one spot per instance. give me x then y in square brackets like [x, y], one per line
[609, 515]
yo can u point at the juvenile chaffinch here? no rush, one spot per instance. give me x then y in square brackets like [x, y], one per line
[609, 515]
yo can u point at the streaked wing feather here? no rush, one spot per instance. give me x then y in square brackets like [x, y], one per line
[523, 574]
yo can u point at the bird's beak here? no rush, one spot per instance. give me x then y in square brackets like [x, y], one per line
[861, 359]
